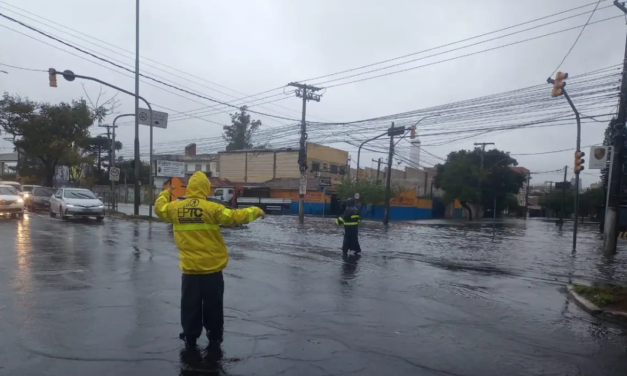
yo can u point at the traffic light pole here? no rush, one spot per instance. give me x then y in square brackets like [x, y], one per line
[578, 150]
[560, 222]
[70, 76]
[388, 180]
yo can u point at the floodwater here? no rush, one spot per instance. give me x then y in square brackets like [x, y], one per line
[424, 298]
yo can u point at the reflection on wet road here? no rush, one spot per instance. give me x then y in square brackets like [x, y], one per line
[425, 298]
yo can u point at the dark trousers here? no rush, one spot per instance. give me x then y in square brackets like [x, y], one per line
[202, 305]
[351, 239]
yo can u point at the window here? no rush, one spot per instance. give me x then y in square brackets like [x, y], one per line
[315, 166]
[186, 167]
[8, 191]
[342, 170]
[333, 169]
[208, 167]
[79, 194]
[198, 167]
[43, 192]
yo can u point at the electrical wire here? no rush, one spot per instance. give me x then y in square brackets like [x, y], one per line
[576, 39]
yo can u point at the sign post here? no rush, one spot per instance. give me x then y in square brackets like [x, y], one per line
[152, 119]
[114, 176]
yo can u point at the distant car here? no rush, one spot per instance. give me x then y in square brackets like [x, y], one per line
[10, 202]
[39, 198]
[76, 202]
[27, 191]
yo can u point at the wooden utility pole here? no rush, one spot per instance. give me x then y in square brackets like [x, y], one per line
[307, 92]
[483, 145]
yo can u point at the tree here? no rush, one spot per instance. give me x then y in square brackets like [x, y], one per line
[462, 177]
[240, 133]
[43, 131]
[590, 202]
[371, 192]
[100, 148]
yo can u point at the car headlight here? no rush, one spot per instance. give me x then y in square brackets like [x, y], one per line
[19, 200]
[26, 194]
[101, 207]
[69, 205]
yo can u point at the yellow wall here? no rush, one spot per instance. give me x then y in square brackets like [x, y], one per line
[232, 166]
[311, 196]
[457, 204]
[260, 167]
[287, 165]
[322, 154]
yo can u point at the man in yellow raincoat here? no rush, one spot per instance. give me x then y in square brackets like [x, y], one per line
[203, 255]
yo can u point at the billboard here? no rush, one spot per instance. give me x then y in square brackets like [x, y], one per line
[171, 169]
[598, 157]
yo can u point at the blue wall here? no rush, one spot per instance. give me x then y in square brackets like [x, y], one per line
[311, 208]
[402, 213]
[457, 213]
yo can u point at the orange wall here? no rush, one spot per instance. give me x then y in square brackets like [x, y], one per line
[179, 188]
[311, 196]
[408, 198]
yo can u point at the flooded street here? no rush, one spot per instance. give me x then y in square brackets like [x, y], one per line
[425, 298]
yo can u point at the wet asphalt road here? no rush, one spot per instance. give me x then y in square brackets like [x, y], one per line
[426, 298]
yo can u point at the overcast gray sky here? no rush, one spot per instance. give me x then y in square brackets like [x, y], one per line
[251, 46]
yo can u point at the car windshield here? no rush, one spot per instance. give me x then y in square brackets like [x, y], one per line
[43, 192]
[7, 191]
[82, 194]
[27, 188]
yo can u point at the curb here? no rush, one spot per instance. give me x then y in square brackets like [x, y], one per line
[584, 303]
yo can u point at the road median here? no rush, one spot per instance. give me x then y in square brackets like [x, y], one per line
[607, 301]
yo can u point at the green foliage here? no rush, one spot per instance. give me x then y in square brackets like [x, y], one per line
[44, 133]
[371, 191]
[463, 178]
[603, 295]
[240, 133]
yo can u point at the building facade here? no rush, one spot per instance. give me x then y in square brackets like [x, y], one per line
[261, 165]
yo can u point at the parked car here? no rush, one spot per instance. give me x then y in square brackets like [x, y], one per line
[76, 202]
[10, 202]
[39, 198]
[27, 191]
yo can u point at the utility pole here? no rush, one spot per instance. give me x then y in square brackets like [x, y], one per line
[483, 145]
[388, 177]
[614, 181]
[527, 197]
[307, 92]
[378, 168]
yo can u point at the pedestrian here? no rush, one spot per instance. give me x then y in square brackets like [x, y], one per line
[350, 220]
[202, 254]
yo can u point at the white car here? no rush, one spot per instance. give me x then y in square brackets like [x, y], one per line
[10, 202]
[76, 202]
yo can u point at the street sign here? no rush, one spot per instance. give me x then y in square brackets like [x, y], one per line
[302, 190]
[356, 196]
[114, 174]
[324, 181]
[159, 119]
[171, 169]
[598, 157]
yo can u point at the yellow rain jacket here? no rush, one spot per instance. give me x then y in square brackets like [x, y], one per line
[196, 223]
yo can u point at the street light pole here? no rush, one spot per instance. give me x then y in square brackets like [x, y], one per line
[137, 161]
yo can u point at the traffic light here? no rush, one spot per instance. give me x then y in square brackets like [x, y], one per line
[52, 76]
[412, 135]
[579, 162]
[558, 84]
